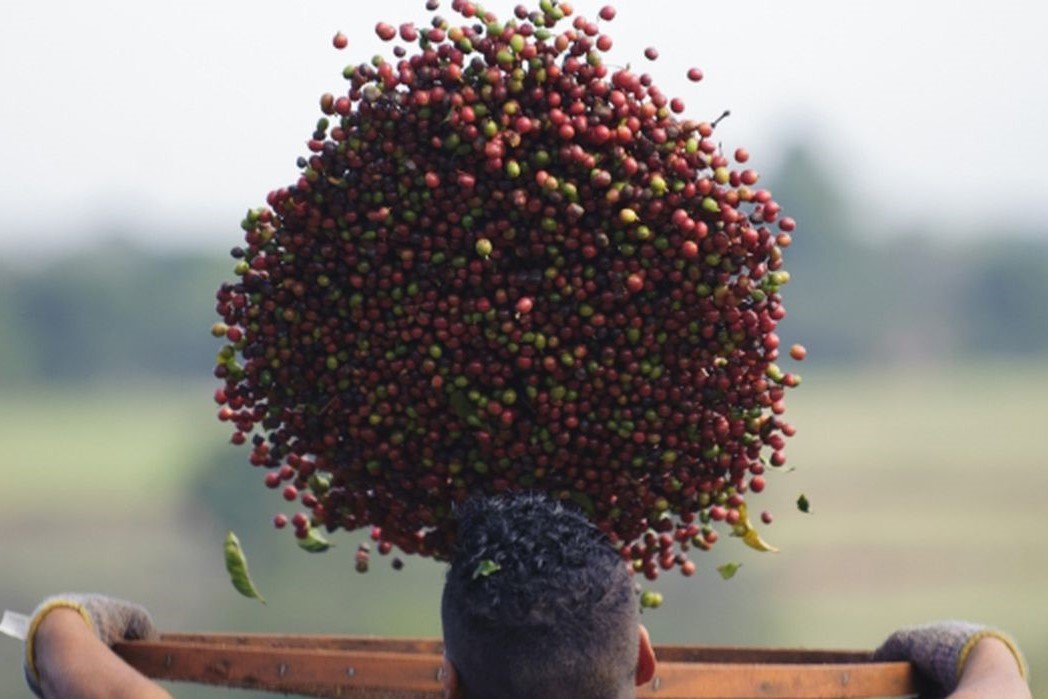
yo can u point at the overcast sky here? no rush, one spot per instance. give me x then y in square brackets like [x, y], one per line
[118, 112]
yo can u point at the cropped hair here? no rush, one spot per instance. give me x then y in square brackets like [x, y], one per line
[537, 603]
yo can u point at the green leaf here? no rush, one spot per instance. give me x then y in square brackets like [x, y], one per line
[584, 501]
[462, 406]
[803, 505]
[314, 542]
[236, 566]
[728, 570]
[486, 568]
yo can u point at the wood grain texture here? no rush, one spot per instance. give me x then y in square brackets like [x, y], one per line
[409, 668]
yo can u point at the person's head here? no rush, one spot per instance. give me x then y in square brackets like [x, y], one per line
[537, 603]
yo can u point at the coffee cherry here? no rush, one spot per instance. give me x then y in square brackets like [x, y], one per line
[504, 266]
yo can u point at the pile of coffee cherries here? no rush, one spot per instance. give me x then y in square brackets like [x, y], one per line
[508, 266]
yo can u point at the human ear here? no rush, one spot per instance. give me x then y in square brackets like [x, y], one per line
[645, 659]
[449, 680]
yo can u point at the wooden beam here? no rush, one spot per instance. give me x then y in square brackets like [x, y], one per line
[409, 668]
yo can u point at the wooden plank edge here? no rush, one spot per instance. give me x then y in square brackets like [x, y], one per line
[780, 681]
[674, 653]
[365, 673]
[320, 673]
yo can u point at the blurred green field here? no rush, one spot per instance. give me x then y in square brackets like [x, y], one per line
[99, 449]
[926, 485]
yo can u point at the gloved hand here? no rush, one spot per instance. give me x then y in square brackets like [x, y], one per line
[940, 650]
[111, 619]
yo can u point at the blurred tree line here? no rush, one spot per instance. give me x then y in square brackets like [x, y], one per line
[113, 309]
[857, 295]
[120, 309]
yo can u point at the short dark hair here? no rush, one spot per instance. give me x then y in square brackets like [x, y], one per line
[537, 603]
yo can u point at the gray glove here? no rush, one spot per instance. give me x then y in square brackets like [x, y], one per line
[940, 650]
[112, 620]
